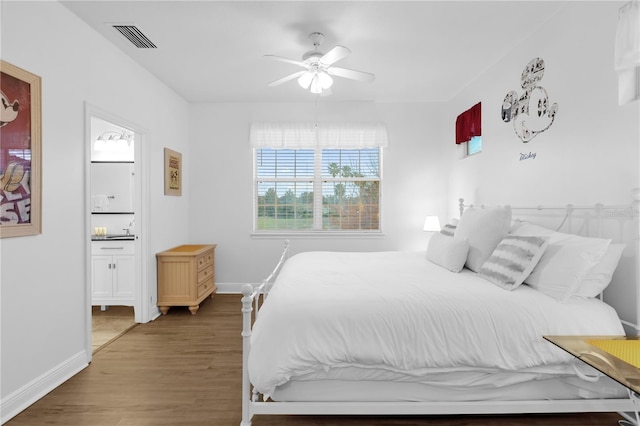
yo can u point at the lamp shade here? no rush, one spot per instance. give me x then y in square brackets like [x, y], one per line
[431, 224]
[325, 80]
[305, 80]
[316, 87]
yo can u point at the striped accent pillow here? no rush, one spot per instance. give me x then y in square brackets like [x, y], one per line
[448, 230]
[513, 260]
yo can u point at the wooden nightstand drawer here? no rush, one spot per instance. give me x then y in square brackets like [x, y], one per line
[204, 259]
[185, 276]
[205, 274]
[205, 287]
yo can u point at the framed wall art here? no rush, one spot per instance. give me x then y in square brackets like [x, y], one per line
[172, 172]
[20, 152]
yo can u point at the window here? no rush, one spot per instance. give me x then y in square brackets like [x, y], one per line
[284, 189]
[317, 178]
[351, 189]
[469, 130]
[317, 189]
[474, 145]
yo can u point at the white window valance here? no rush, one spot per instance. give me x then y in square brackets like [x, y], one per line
[627, 50]
[321, 135]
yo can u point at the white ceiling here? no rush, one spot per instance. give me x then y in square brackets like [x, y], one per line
[213, 51]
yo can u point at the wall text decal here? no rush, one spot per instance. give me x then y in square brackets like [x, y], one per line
[530, 112]
[527, 156]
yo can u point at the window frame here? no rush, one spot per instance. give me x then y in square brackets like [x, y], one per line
[317, 183]
[468, 152]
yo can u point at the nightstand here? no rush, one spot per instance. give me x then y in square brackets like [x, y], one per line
[185, 276]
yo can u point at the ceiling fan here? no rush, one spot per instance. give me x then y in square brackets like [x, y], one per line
[318, 67]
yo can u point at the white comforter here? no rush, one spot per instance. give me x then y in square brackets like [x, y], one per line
[398, 312]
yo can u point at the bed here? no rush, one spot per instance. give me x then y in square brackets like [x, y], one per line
[456, 329]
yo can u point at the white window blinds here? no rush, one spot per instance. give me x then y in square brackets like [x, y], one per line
[322, 135]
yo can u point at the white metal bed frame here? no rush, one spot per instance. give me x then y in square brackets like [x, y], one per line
[254, 404]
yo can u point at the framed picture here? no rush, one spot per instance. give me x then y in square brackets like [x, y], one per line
[172, 172]
[20, 152]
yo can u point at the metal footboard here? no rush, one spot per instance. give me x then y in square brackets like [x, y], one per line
[251, 299]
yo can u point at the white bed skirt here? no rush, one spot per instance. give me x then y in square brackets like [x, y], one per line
[553, 388]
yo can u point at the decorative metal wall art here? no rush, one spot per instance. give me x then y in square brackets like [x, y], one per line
[530, 112]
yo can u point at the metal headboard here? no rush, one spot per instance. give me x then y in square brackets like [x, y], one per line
[599, 212]
[623, 217]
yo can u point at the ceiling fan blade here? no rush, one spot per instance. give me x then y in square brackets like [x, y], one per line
[334, 55]
[287, 78]
[291, 61]
[352, 74]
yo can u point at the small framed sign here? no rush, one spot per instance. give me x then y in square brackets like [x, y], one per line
[172, 172]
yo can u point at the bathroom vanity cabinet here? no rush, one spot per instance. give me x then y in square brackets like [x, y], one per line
[112, 273]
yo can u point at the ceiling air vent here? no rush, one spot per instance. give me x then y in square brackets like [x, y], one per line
[135, 36]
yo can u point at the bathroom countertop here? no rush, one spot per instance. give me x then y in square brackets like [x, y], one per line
[113, 237]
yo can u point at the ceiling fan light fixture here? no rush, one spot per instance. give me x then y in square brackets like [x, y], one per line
[318, 68]
[316, 87]
[316, 80]
[325, 79]
[305, 80]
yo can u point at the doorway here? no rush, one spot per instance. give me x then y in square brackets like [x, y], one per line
[107, 325]
[115, 211]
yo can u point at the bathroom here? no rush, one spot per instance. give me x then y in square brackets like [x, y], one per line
[113, 232]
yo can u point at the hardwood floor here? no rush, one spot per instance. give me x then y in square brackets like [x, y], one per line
[110, 324]
[185, 370]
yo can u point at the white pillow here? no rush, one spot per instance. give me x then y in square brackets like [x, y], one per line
[448, 252]
[600, 275]
[565, 263]
[522, 227]
[484, 228]
[450, 228]
[513, 260]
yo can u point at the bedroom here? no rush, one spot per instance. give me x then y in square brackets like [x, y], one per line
[590, 155]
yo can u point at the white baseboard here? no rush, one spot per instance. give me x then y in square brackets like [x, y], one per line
[13, 404]
[154, 313]
[229, 288]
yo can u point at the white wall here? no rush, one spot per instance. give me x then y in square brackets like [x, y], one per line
[222, 186]
[44, 293]
[591, 154]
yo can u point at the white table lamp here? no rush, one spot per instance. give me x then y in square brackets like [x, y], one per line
[431, 224]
